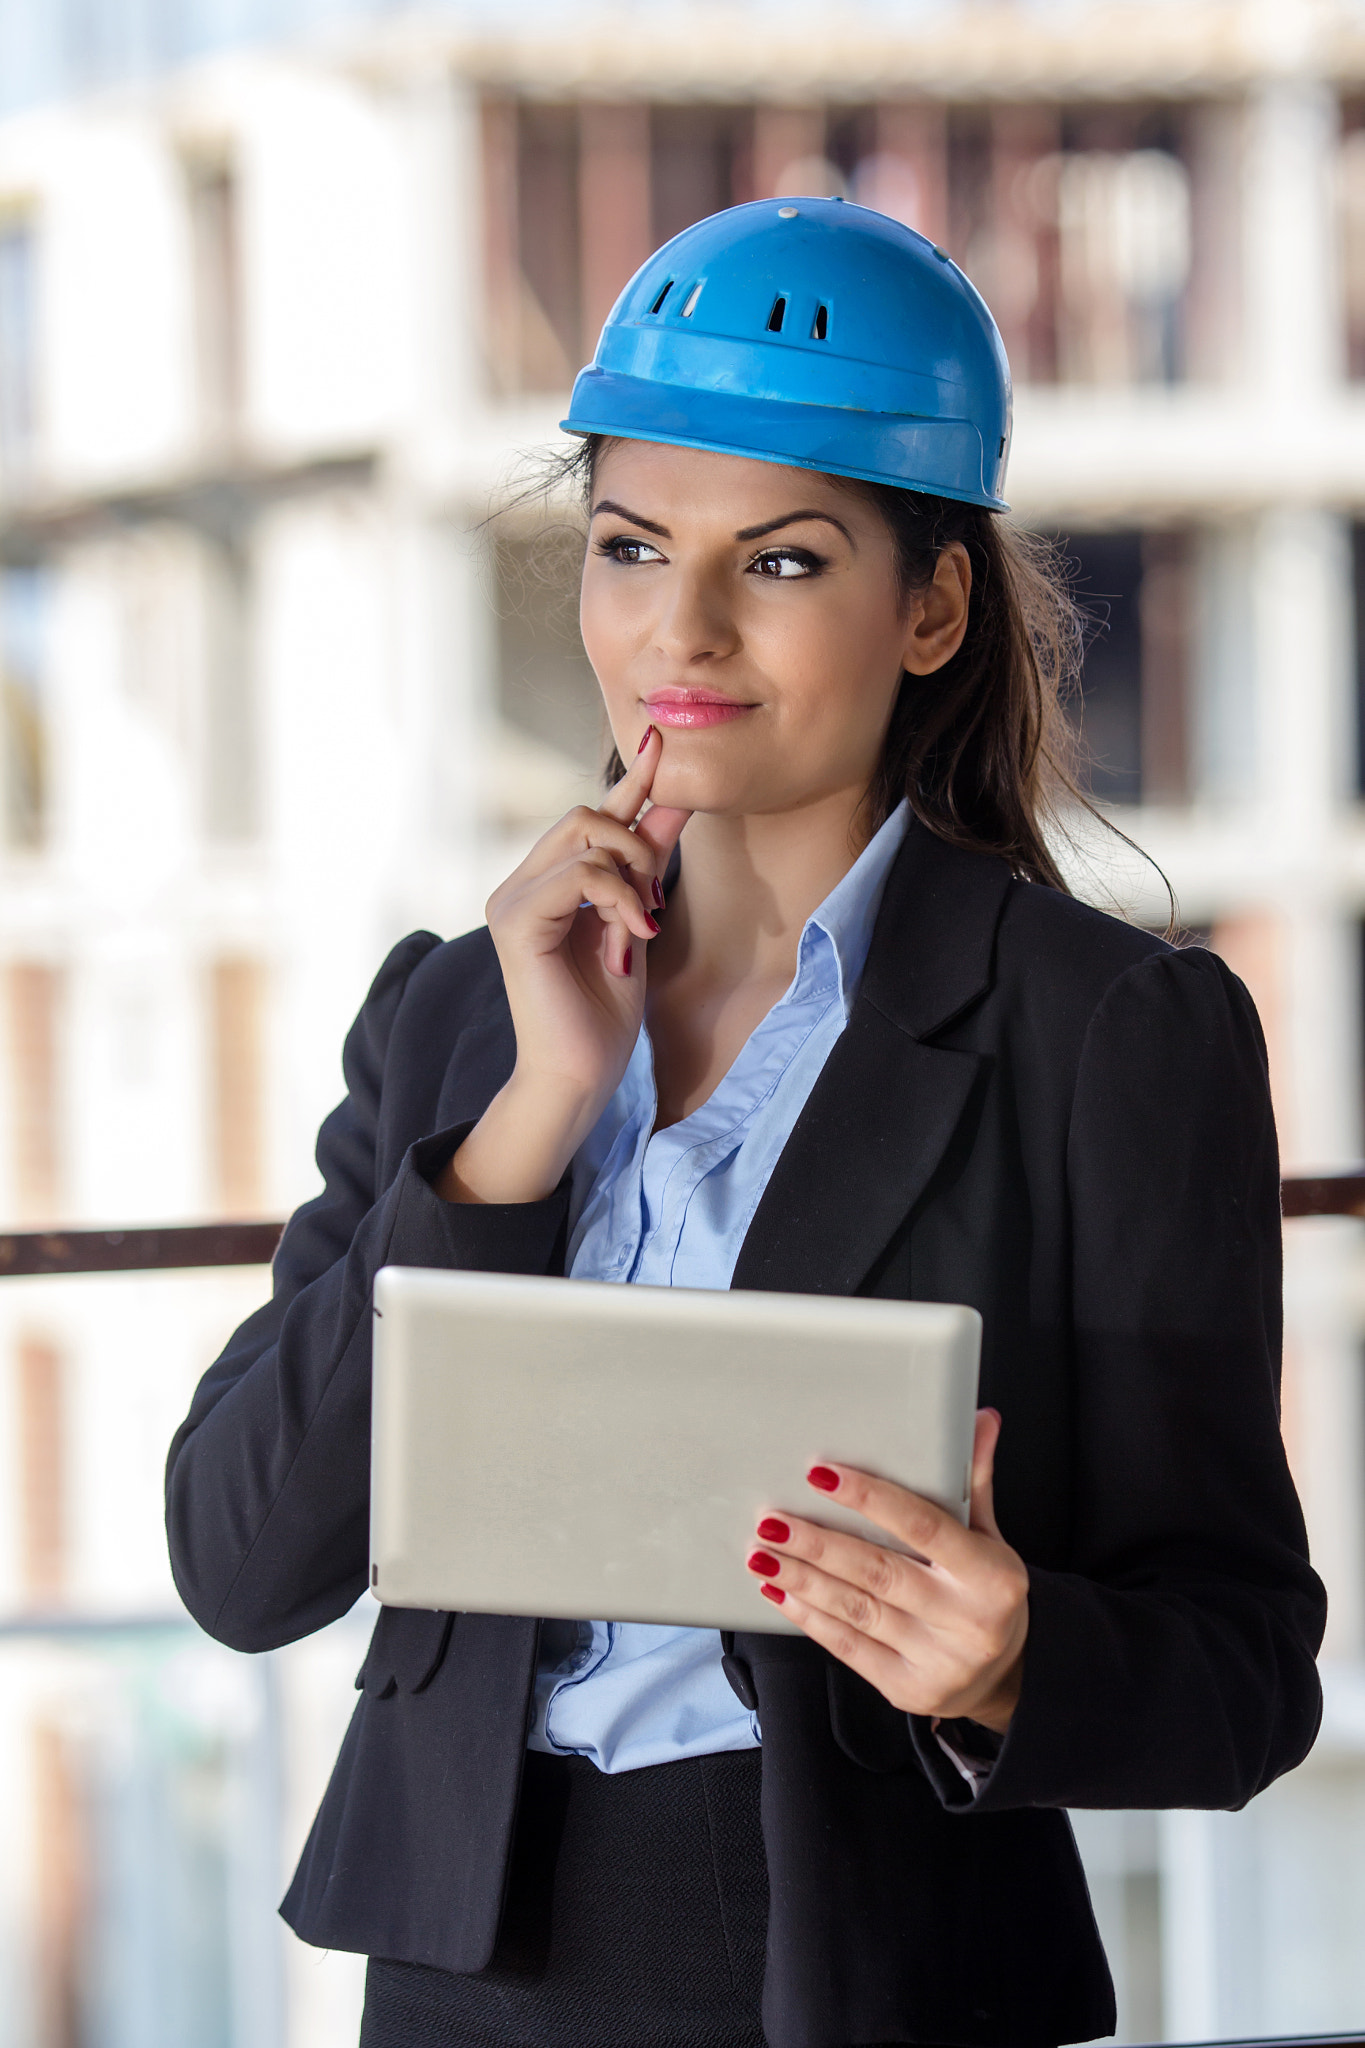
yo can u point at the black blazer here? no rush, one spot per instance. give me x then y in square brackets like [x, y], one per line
[1035, 1109]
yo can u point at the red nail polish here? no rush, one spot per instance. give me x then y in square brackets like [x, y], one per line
[658, 888]
[766, 1566]
[649, 732]
[653, 924]
[625, 964]
[774, 1531]
[821, 1476]
[772, 1592]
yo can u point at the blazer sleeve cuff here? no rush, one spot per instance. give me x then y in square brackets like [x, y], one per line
[957, 1757]
[1080, 1735]
[485, 1237]
[969, 1767]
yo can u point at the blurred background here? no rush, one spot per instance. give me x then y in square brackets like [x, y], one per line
[287, 290]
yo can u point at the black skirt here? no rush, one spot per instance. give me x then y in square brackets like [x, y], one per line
[636, 1917]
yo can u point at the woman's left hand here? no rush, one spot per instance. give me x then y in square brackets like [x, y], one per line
[944, 1637]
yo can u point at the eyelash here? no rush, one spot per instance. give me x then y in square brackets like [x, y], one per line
[613, 549]
[810, 562]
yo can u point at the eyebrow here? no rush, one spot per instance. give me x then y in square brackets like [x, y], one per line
[793, 519]
[632, 518]
[759, 532]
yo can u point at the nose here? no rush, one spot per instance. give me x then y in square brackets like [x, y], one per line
[696, 623]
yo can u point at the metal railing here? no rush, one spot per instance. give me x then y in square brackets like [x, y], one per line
[1324, 1194]
[183, 1246]
[137, 1251]
[180, 1245]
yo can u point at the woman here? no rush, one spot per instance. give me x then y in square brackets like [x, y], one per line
[803, 1005]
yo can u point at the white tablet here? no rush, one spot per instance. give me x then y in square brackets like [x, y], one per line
[594, 1452]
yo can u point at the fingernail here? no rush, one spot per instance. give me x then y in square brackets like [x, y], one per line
[772, 1592]
[658, 888]
[625, 964]
[649, 734]
[774, 1531]
[654, 925]
[765, 1565]
[821, 1476]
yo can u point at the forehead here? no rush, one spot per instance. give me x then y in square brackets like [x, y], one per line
[733, 490]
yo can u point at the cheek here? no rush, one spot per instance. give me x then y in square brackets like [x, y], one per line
[613, 630]
[839, 664]
[599, 625]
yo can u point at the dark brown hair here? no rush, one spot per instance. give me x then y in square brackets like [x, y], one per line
[982, 747]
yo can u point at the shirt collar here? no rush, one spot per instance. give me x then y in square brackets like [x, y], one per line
[833, 952]
[845, 919]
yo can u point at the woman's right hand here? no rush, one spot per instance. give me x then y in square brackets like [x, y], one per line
[570, 926]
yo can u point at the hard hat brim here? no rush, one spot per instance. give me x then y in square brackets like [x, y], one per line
[943, 458]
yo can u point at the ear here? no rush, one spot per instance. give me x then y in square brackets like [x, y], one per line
[937, 619]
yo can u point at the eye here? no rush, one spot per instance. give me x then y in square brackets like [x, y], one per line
[783, 564]
[626, 549]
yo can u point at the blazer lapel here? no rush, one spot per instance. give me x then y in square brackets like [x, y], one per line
[863, 1151]
[883, 1111]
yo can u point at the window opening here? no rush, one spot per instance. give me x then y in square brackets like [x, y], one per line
[231, 788]
[23, 716]
[213, 211]
[18, 349]
[32, 1012]
[237, 1035]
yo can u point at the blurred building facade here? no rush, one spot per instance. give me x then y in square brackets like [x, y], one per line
[273, 333]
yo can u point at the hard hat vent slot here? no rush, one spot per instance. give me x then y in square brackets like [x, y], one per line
[777, 316]
[689, 305]
[662, 296]
[821, 327]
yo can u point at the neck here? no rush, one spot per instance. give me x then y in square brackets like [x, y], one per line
[747, 886]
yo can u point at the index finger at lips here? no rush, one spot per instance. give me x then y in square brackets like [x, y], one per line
[626, 798]
[661, 828]
[926, 1529]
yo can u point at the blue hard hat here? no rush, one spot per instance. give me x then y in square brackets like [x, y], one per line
[810, 332]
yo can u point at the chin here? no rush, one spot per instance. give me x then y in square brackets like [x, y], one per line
[697, 788]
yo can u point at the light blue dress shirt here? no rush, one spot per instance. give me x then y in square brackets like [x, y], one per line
[670, 1209]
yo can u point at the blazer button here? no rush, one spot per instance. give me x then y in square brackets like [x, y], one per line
[741, 1681]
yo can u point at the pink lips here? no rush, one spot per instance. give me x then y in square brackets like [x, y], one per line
[691, 710]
